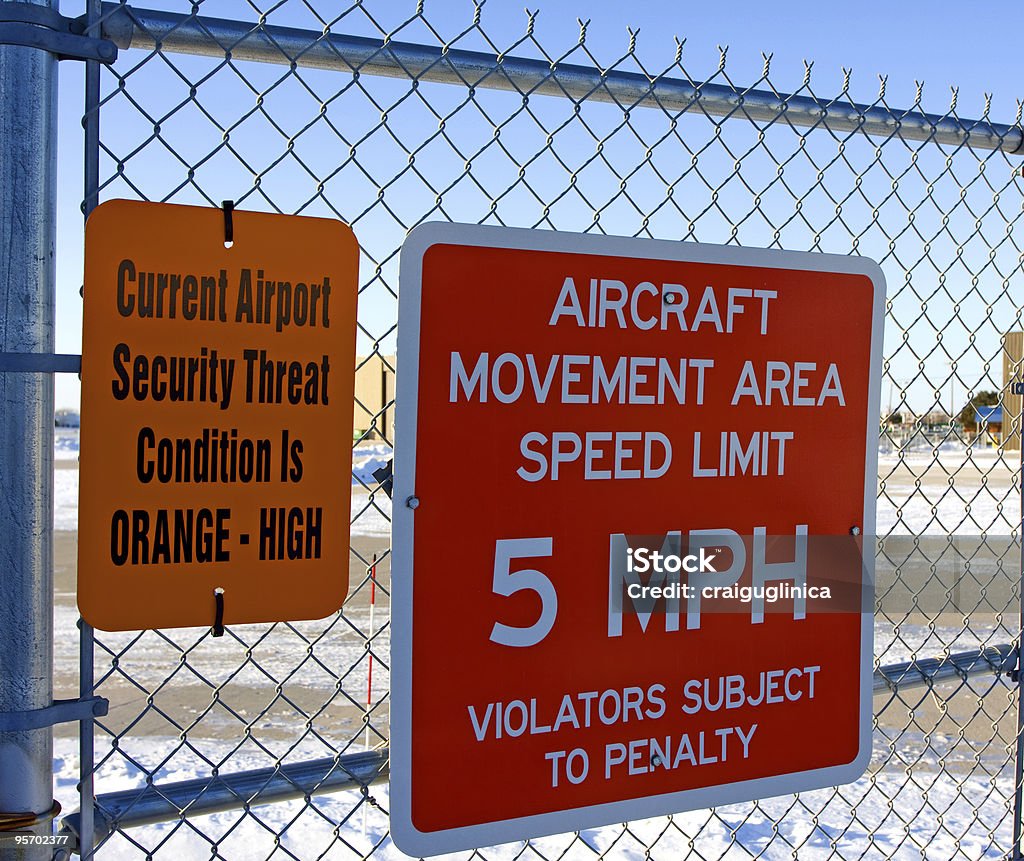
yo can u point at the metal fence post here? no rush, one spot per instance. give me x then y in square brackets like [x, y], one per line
[28, 117]
[86, 744]
[1018, 769]
[86, 675]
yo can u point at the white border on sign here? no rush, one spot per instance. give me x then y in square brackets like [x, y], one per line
[406, 836]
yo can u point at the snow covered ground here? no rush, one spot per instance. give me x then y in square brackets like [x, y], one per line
[893, 813]
[951, 490]
[932, 791]
[371, 516]
[916, 494]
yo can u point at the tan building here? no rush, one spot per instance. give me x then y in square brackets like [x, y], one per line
[374, 414]
[1013, 354]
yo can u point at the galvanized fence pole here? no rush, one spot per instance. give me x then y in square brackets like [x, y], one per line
[86, 671]
[1018, 770]
[28, 123]
[86, 743]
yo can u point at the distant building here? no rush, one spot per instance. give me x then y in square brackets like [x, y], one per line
[989, 424]
[374, 415]
[1013, 353]
[936, 419]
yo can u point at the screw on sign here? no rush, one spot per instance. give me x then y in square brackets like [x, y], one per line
[218, 354]
[663, 602]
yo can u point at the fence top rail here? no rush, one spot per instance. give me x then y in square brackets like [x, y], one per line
[129, 27]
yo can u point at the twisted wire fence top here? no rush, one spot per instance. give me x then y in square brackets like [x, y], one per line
[345, 112]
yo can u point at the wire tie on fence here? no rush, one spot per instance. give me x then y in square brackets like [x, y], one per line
[364, 790]
[229, 222]
[218, 621]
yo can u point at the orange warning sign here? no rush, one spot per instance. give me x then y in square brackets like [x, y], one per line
[645, 593]
[216, 406]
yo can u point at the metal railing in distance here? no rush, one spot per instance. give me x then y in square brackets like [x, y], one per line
[925, 672]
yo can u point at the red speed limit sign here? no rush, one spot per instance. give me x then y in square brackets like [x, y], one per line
[632, 482]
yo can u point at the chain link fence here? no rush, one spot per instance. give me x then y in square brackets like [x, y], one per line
[336, 110]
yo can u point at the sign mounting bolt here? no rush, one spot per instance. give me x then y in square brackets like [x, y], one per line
[413, 502]
[854, 530]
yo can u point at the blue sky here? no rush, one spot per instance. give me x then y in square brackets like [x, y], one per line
[941, 44]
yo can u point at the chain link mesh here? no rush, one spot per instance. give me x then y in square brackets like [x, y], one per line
[385, 154]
